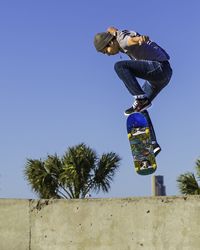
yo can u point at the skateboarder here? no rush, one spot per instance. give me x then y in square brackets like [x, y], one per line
[148, 61]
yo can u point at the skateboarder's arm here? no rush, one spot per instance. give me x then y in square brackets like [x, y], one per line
[137, 40]
[132, 40]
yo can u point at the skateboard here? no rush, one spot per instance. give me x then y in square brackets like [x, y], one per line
[141, 144]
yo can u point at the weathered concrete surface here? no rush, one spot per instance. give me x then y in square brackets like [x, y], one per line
[106, 224]
[14, 224]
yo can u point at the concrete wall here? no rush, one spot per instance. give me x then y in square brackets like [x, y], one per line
[102, 224]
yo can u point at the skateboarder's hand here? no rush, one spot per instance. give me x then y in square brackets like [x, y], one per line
[112, 30]
[137, 40]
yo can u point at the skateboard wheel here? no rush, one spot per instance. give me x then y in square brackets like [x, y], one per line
[129, 135]
[147, 131]
[154, 166]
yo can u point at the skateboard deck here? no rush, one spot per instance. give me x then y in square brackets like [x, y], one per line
[141, 144]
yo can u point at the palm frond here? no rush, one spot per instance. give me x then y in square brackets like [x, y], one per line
[38, 174]
[78, 172]
[188, 184]
[197, 167]
[105, 171]
[78, 163]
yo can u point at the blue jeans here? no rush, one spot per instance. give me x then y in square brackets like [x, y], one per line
[156, 75]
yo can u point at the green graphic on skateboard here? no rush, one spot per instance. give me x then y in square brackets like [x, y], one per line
[141, 144]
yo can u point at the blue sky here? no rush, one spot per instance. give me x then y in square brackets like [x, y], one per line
[57, 91]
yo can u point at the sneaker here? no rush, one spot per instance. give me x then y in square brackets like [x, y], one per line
[129, 111]
[156, 149]
[138, 106]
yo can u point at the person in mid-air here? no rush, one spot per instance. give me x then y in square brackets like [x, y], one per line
[148, 61]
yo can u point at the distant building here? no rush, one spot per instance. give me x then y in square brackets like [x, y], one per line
[158, 187]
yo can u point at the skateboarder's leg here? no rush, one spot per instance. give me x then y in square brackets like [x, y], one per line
[157, 74]
[157, 79]
[127, 72]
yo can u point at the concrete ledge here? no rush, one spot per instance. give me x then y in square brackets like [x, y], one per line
[14, 224]
[102, 224]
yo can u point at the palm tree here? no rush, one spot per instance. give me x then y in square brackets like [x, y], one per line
[188, 183]
[74, 175]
